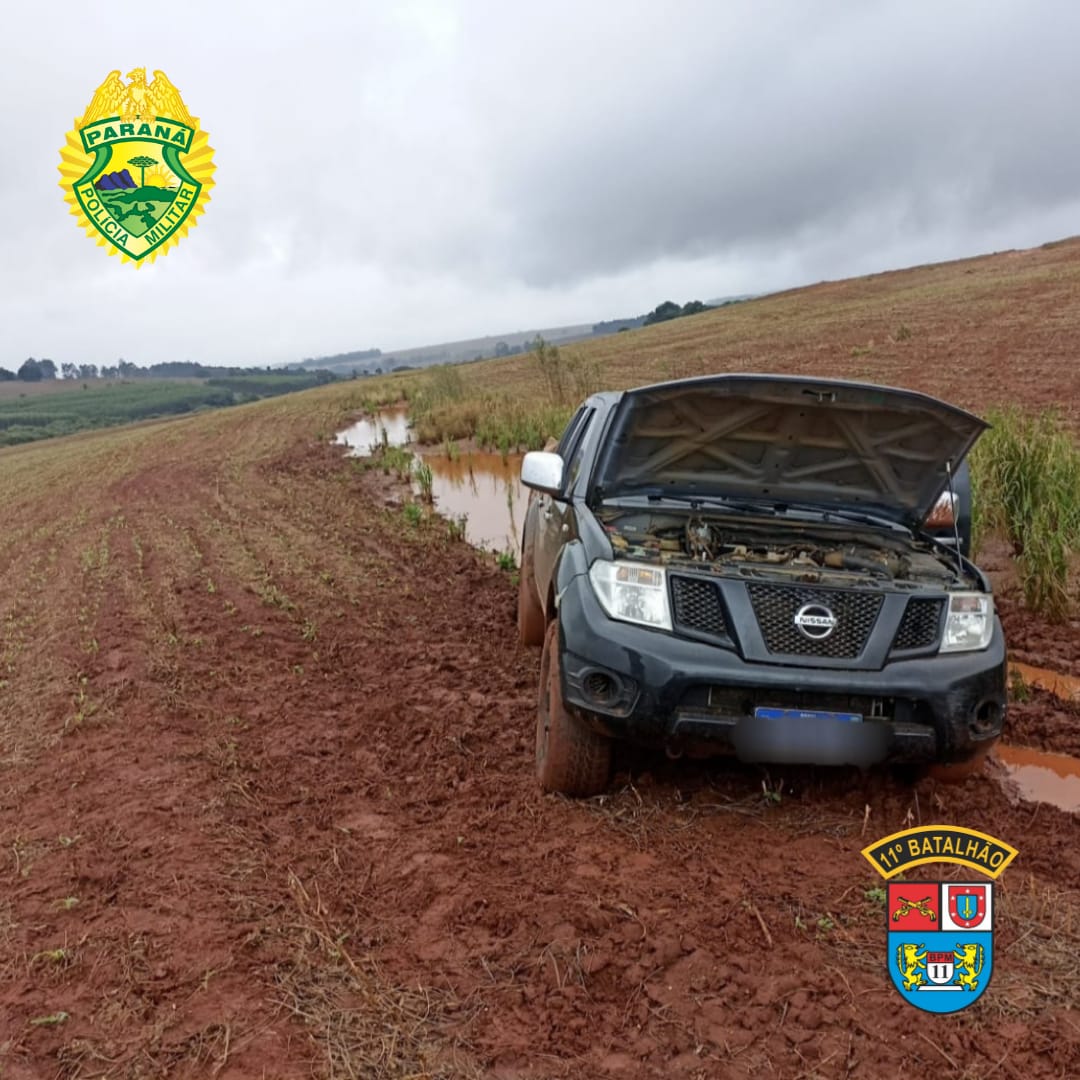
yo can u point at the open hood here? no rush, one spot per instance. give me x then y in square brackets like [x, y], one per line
[785, 438]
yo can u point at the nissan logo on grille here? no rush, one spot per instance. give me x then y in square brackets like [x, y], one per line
[815, 621]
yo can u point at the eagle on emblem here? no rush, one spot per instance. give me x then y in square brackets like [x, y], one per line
[138, 100]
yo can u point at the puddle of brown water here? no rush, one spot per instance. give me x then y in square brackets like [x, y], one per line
[482, 486]
[1066, 687]
[1040, 777]
[361, 436]
[487, 489]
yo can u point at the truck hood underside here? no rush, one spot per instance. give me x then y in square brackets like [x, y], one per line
[788, 439]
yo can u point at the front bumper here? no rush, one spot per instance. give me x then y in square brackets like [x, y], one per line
[659, 689]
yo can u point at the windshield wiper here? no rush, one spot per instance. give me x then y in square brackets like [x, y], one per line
[763, 508]
[839, 513]
[695, 502]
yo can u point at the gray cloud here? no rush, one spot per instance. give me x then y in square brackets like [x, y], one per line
[425, 170]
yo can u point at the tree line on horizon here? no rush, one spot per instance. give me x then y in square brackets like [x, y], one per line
[32, 370]
[670, 310]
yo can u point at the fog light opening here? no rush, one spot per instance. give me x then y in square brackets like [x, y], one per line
[985, 718]
[600, 688]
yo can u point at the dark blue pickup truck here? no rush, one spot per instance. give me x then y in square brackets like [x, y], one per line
[769, 566]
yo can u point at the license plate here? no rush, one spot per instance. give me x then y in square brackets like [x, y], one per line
[764, 713]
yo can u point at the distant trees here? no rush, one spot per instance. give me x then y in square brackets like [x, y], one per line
[662, 312]
[33, 370]
[670, 310]
[617, 326]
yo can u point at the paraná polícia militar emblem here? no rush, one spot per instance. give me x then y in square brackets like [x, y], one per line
[137, 168]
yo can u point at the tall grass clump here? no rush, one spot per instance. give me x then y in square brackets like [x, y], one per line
[1026, 486]
[446, 423]
[425, 480]
[445, 409]
[552, 369]
[395, 459]
[511, 424]
[568, 378]
[439, 410]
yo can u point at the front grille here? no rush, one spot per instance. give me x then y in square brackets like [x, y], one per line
[775, 607]
[921, 624]
[697, 606]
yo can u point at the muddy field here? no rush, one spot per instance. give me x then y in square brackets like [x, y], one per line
[267, 810]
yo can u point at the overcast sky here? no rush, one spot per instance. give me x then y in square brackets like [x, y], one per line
[400, 173]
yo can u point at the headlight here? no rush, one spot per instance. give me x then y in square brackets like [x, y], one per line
[970, 622]
[632, 592]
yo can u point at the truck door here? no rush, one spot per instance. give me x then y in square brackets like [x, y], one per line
[553, 514]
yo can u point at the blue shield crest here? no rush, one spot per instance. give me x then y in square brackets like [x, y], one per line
[937, 960]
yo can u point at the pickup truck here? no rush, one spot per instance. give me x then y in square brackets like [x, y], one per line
[771, 566]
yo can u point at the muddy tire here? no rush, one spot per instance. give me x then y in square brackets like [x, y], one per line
[530, 615]
[570, 757]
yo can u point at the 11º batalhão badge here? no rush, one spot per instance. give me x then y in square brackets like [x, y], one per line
[940, 952]
[137, 168]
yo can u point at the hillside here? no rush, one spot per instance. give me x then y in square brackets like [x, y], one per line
[979, 332]
[447, 352]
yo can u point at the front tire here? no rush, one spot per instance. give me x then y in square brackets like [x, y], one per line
[570, 757]
[530, 615]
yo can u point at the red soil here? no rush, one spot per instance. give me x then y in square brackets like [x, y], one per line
[303, 834]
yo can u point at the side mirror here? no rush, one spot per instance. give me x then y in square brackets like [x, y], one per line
[542, 471]
[947, 511]
[944, 513]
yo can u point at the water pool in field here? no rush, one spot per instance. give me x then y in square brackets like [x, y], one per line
[482, 486]
[391, 426]
[1043, 777]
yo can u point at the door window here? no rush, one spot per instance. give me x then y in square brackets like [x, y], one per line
[577, 454]
[567, 441]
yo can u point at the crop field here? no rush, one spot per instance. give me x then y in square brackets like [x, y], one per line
[267, 806]
[52, 407]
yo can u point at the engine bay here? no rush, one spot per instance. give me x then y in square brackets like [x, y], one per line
[801, 551]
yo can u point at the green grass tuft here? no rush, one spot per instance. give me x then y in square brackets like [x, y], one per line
[1026, 486]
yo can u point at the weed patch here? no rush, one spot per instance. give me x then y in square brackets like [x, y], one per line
[1026, 486]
